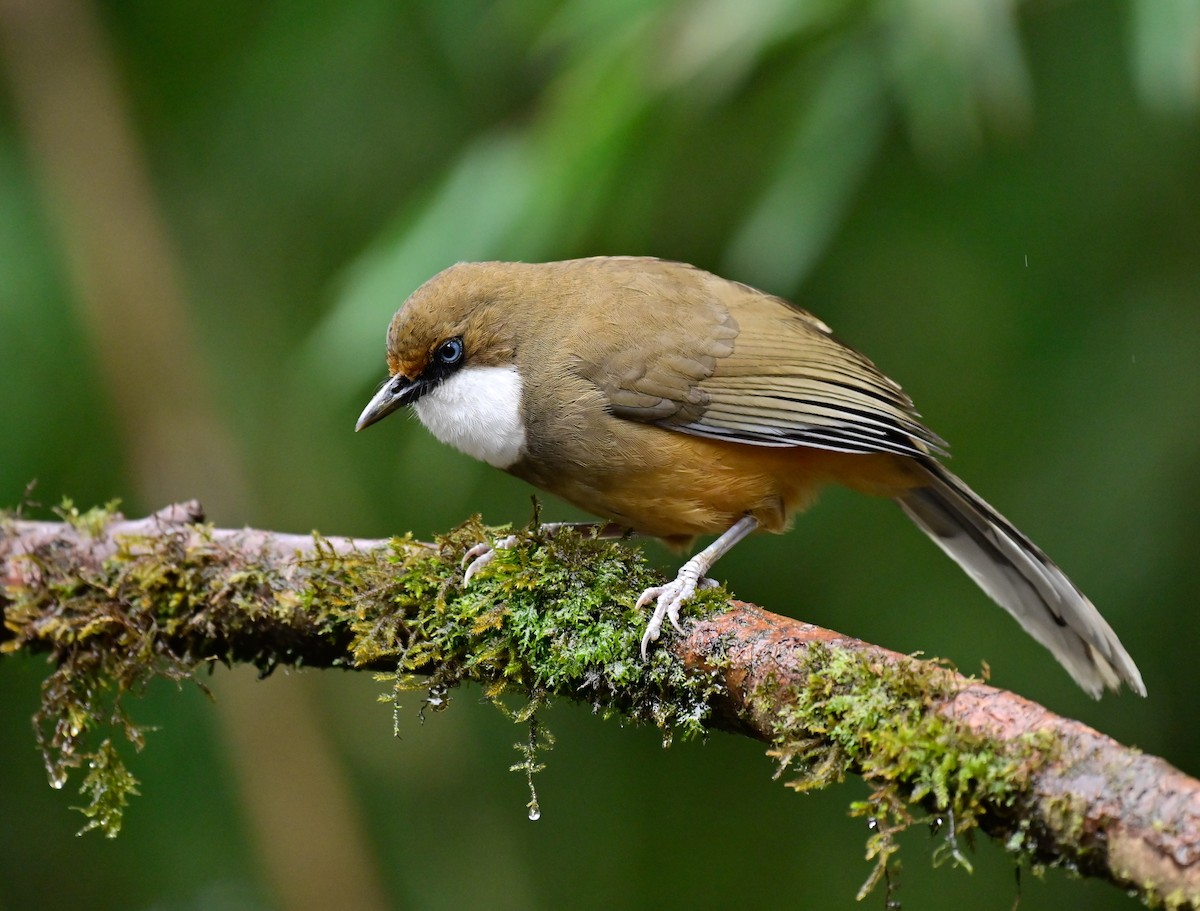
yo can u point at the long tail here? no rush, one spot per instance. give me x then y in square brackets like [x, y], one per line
[1022, 580]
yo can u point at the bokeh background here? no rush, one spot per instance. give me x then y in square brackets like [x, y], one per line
[209, 211]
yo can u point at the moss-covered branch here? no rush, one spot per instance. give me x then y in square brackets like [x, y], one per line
[117, 603]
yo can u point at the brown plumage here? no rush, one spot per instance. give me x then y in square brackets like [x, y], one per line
[677, 403]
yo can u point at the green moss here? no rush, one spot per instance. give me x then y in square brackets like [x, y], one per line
[877, 719]
[108, 785]
[550, 617]
[93, 521]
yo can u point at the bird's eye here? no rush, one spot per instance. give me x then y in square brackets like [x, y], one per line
[450, 352]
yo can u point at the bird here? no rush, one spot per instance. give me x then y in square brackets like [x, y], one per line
[674, 404]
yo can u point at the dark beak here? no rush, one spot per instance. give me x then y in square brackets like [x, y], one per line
[392, 395]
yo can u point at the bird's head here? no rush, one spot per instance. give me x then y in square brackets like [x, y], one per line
[453, 324]
[451, 355]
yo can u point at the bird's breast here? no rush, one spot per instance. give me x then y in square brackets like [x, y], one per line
[478, 411]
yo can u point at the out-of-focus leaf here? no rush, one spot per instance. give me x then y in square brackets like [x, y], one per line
[956, 65]
[834, 139]
[1166, 53]
[716, 43]
[468, 217]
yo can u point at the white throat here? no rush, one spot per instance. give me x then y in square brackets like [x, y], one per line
[478, 412]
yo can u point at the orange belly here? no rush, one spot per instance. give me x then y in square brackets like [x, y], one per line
[676, 486]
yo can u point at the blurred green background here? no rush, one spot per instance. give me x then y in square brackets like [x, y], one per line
[210, 210]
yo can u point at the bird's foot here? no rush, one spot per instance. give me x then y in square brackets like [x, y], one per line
[673, 595]
[670, 598]
[482, 554]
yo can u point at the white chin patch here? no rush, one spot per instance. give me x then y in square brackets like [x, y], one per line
[478, 412]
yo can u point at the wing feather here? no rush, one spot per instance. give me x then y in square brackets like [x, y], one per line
[726, 361]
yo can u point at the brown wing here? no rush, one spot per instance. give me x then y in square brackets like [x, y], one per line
[725, 361]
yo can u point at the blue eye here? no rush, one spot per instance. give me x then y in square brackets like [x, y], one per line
[450, 352]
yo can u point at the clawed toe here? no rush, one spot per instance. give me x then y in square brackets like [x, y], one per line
[669, 599]
[479, 559]
[481, 555]
[483, 547]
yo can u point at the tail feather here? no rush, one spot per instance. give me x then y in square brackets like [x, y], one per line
[1022, 580]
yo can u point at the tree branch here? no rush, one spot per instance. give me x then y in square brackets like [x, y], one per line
[118, 602]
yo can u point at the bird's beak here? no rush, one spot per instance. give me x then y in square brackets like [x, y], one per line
[392, 395]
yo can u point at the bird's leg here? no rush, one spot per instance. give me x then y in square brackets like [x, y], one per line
[674, 594]
[483, 553]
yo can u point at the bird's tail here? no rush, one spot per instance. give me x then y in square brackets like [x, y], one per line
[1022, 580]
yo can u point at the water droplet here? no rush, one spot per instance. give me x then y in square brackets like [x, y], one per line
[872, 823]
[58, 780]
[535, 812]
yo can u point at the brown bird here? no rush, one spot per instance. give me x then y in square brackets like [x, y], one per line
[675, 403]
